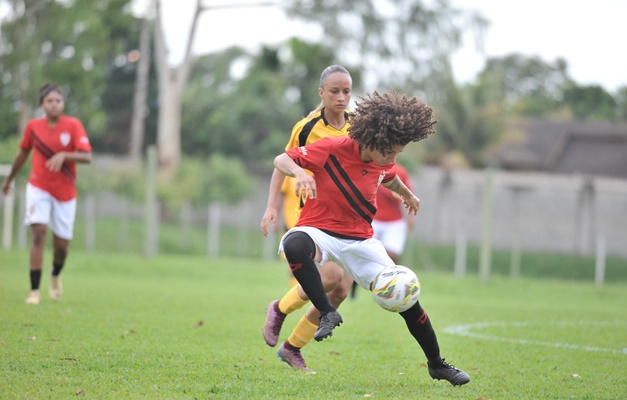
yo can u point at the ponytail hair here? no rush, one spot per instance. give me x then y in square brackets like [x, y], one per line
[323, 78]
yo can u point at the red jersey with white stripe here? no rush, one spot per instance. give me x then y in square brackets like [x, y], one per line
[347, 187]
[389, 207]
[67, 135]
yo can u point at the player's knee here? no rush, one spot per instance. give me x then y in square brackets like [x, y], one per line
[298, 246]
[38, 234]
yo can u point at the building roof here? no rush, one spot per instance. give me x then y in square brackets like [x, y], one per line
[568, 147]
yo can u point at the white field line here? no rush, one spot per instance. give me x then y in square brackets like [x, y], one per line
[467, 331]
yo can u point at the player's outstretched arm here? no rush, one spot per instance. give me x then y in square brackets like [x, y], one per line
[410, 201]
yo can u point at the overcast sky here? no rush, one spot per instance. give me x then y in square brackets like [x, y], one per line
[588, 35]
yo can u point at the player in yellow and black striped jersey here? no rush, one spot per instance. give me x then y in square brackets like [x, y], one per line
[329, 119]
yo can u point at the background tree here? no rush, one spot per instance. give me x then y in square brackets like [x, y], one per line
[398, 43]
[590, 102]
[244, 105]
[77, 44]
[527, 86]
[621, 103]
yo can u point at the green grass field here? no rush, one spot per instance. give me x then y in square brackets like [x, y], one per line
[188, 327]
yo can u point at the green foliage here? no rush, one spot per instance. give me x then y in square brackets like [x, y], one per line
[10, 148]
[621, 100]
[470, 122]
[218, 179]
[127, 181]
[77, 44]
[251, 117]
[590, 102]
[159, 328]
[399, 42]
[527, 86]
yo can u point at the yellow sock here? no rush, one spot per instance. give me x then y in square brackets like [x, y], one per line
[302, 333]
[291, 301]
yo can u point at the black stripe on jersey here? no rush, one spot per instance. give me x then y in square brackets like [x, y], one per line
[48, 153]
[340, 236]
[304, 134]
[354, 189]
[40, 146]
[346, 194]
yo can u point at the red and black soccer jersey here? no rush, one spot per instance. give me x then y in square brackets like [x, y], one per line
[347, 187]
[389, 207]
[67, 135]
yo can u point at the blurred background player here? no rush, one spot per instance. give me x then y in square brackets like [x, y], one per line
[59, 142]
[391, 222]
[329, 119]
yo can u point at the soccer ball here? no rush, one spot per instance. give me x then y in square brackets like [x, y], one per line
[396, 288]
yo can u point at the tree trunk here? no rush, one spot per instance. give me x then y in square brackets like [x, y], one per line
[172, 81]
[141, 92]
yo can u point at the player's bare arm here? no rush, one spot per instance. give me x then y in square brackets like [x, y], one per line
[410, 201]
[19, 161]
[270, 216]
[303, 181]
[56, 161]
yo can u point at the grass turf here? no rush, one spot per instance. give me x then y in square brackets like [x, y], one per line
[189, 327]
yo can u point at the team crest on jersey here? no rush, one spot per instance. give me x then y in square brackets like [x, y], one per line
[302, 150]
[65, 138]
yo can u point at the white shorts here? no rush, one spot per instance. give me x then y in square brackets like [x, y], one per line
[392, 234]
[361, 259]
[42, 208]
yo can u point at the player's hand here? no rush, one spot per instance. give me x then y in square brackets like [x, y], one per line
[412, 204]
[305, 184]
[6, 187]
[55, 162]
[269, 217]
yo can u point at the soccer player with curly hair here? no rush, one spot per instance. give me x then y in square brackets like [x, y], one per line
[335, 223]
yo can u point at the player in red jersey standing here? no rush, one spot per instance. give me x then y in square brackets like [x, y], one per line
[335, 223]
[59, 142]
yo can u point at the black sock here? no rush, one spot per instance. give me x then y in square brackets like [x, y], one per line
[56, 268]
[420, 328]
[35, 279]
[299, 251]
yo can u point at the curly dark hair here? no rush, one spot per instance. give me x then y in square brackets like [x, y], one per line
[382, 121]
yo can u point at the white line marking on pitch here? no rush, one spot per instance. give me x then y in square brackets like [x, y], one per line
[466, 330]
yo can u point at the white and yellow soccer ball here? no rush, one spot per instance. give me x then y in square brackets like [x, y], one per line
[396, 288]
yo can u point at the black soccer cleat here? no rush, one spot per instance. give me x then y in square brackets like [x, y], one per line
[328, 322]
[449, 373]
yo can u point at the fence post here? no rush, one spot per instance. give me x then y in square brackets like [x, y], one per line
[7, 226]
[90, 222]
[150, 204]
[213, 229]
[484, 256]
[599, 270]
[460, 253]
[22, 231]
